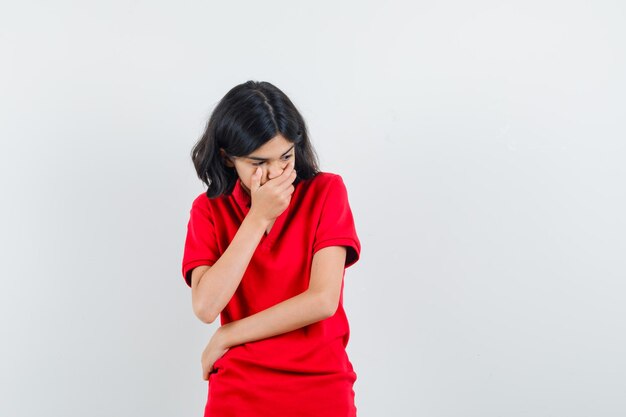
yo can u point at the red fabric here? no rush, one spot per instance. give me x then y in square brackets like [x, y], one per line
[305, 372]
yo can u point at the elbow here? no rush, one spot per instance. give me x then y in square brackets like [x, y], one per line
[328, 306]
[203, 313]
[206, 317]
[332, 310]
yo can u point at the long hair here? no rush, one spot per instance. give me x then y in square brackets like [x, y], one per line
[248, 116]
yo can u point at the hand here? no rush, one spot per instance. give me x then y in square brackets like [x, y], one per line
[214, 350]
[271, 199]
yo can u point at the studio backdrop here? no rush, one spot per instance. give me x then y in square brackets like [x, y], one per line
[481, 144]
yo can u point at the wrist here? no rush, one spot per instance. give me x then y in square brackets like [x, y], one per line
[253, 218]
[222, 336]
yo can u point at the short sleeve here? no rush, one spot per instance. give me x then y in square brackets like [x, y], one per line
[336, 224]
[201, 243]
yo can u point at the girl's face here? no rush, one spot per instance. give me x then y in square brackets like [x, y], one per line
[272, 157]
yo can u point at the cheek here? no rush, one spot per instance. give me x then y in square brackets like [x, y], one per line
[246, 182]
[246, 175]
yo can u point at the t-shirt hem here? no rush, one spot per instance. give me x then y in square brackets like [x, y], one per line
[352, 254]
[192, 264]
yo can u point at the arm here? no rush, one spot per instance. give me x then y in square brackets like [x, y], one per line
[318, 302]
[213, 286]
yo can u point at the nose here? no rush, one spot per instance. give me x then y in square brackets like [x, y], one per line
[274, 170]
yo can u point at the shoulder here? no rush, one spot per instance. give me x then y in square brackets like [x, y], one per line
[202, 205]
[326, 185]
[324, 180]
[201, 201]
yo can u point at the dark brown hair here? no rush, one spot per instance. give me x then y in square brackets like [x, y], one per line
[248, 116]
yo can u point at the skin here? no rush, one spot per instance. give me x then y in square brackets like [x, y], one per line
[271, 160]
[270, 185]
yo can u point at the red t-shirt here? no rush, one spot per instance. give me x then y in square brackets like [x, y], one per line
[305, 372]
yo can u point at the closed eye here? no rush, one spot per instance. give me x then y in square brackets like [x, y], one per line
[284, 158]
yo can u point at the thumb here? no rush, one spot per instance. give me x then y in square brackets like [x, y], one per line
[256, 180]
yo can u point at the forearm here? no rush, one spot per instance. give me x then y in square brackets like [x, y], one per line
[291, 314]
[220, 281]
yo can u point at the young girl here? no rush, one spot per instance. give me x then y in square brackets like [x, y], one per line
[266, 249]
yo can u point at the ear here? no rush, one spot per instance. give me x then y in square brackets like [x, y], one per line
[227, 161]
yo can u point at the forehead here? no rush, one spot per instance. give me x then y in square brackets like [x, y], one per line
[274, 148]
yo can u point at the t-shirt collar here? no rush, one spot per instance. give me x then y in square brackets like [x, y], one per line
[240, 195]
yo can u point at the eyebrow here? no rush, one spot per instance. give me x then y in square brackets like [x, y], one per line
[256, 158]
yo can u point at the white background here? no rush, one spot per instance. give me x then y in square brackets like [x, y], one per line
[482, 144]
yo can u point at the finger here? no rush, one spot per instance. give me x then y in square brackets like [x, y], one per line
[256, 179]
[285, 176]
[289, 191]
[289, 182]
[208, 371]
[288, 198]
